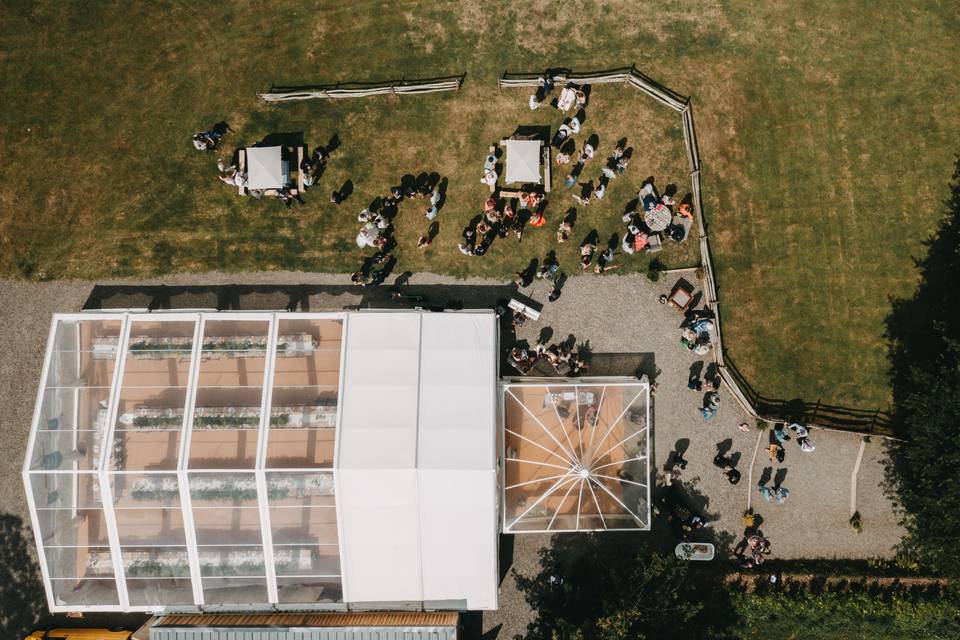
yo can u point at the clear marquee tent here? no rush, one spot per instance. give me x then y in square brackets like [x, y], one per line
[257, 461]
[576, 455]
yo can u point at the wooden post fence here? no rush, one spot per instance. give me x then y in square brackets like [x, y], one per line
[360, 90]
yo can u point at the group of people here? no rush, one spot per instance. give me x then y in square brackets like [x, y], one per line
[377, 219]
[207, 140]
[500, 218]
[571, 96]
[757, 548]
[695, 334]
[560, 356]
[377, 229]
[312, 167]
[779, 437]
[615, 166]
[711, 399]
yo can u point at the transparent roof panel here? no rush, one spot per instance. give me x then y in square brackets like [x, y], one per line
[209, 399]
[76, 397]
[145, 490]
[152, 592]
[306, 560]
[237, 591]
[308, 353]
[234, 353]
[230, 526]
[231, 562]
[84, 353]
[309, 590]
[219, 490]
[575, 456]
[226, 422]
[79, 563]
[155, 562]
[82, 593]
[150, 527]
[303, 414]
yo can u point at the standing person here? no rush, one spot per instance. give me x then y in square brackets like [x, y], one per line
[549, 268]
[206, 140]
[711, 405]
[803, 437]
[601, 189]
[563, 233]
[774, 451]
[733, 476]
[537, 219]
[574, 175]
[490, 179]
[781, 494]
[779, 433]
[587, 153]
[587, 249]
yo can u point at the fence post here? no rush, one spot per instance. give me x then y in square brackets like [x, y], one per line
[816, 410]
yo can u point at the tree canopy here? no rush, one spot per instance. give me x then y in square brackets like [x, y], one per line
[924, 468]
[617, 586]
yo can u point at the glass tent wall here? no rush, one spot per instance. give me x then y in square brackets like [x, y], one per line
[185, 459]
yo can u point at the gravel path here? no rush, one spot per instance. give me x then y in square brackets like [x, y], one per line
[610, 314]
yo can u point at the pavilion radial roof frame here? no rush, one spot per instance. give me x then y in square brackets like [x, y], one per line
[101, 476]
[575, 454]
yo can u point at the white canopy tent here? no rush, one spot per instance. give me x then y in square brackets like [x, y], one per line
[523, 161]
[417, 482]
[266, 169]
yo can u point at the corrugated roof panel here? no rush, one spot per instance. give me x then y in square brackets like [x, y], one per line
[304, 633]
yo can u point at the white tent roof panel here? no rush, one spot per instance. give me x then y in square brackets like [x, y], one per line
[523, 160]
[458, 359]
[457, 520]
[264, 168]
[379, 406]
[380, 540]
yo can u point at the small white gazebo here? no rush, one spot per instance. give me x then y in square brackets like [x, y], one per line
[266, 168]
[524, 158]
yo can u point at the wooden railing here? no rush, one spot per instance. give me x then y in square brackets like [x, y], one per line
[362, 89]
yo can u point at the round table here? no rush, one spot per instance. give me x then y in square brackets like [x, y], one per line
[658, 218]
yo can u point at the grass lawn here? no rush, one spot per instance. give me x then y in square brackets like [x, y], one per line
[826, 131]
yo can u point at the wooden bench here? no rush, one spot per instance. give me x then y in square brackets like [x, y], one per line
[300, 151]
[527, 311]
[242, 164]
[546, 168]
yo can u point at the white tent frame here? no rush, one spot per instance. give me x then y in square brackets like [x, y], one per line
[570, 474]
[103, 474]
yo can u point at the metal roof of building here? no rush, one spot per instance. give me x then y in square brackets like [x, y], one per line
[347, 626]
